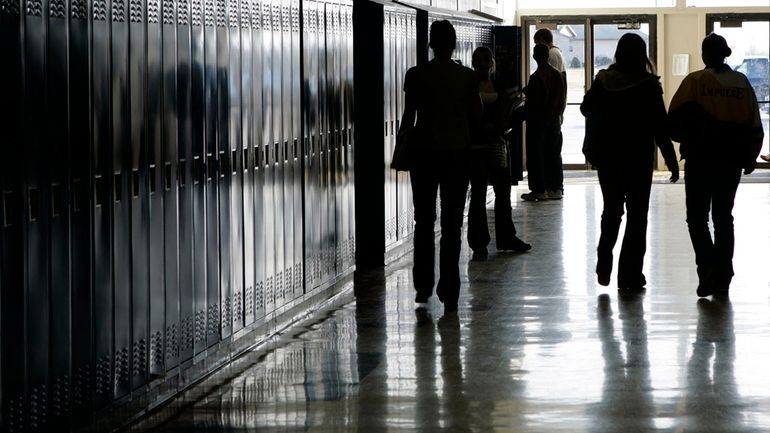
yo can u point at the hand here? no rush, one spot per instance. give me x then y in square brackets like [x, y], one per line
[749, 168]
[674, 169]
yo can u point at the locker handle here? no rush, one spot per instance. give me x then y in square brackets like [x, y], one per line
[312, 145]
[386, 128]
[7, 211]
[168, 173]
[391, 128]
[117, 187]
[99, 190]
[296, 149]
[34, 206]
[267, 155]
[181, 172]
[152, 179]
[211, 166]
[257, 157]
[56, 199]
[246, 161]
[222, 166]
[135, 182]
[77, 194]
[286, 151]
[276, 146]
[234, 161]
[197, 169]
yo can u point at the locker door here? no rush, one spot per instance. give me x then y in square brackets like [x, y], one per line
[309, 120]
[185, 181]
[390, 114]
[198, 144]
[155, 185]
[57, 148]
[80, 247]
[334, 64]
[102, 199]
[121, 202]
[169, 185]
[327, 198]
[404, 187]
[236, 167]
[277, 147]
[259, 172]
[139, 197]
[247, 146]
[349, 250]
[287, 173]
[269, 196]
[11, 253]
[296, 154]
[224, 174]
[212, 177]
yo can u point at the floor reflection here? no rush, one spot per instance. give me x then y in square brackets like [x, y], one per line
[536, 346]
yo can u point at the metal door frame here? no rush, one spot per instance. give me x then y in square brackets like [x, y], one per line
[588, 21]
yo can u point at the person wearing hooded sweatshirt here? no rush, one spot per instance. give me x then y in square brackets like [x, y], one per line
[715, 117]
[626, 118]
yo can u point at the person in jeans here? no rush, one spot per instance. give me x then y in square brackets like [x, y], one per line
[444, 98]
[715, 116]
[627, 116]
[489, 161]
[545, 95]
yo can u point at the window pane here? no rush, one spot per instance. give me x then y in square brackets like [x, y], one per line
[725, 3]
[606, 37]
[554, 4]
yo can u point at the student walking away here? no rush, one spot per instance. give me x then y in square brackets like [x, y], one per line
[715, 116]
[627, 115]
[553, 161]
[444, 98]
[545, 95]
[489, 162]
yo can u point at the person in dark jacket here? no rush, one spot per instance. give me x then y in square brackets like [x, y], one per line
[715, 116]
[444, 98]
[545, 95]
[489, 161]
[626, 118]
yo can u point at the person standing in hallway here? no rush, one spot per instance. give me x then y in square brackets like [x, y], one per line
[715, 116]
[489, 161]
[444, 98]
[544, 107]
[553, 173]
[627, 118]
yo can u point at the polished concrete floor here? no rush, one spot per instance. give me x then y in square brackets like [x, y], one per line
[536, 346]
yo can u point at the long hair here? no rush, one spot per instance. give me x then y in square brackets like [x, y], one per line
[631, 55]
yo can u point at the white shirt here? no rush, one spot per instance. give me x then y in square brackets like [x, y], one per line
[555, 59]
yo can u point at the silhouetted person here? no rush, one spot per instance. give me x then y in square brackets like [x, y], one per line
[445, 99]
[715, 116]
[552, 162]
[627, 118]
[546, 94]
[489, 161]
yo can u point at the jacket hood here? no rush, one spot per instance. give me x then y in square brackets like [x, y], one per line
[614, 80]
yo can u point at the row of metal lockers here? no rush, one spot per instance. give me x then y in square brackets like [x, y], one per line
[176, 173]
[173, 172]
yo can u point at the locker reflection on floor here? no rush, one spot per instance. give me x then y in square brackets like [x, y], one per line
[536, 345]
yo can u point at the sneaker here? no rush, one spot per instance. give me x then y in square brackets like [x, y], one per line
[534, 196]
[514, 244]
[554, 195]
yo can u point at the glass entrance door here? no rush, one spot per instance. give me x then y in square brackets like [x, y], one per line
[749, 38]
[587, 45]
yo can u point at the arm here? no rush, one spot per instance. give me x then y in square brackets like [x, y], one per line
[663, 138]
[757, 135]
[410, 102]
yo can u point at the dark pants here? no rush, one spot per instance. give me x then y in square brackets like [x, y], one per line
[630, 186]
[485, 167]
[449, 171]
[711, 187]
[544, 163]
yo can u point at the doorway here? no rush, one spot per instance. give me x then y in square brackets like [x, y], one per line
[587, 45]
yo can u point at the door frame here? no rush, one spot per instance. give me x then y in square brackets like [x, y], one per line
[588, 21]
